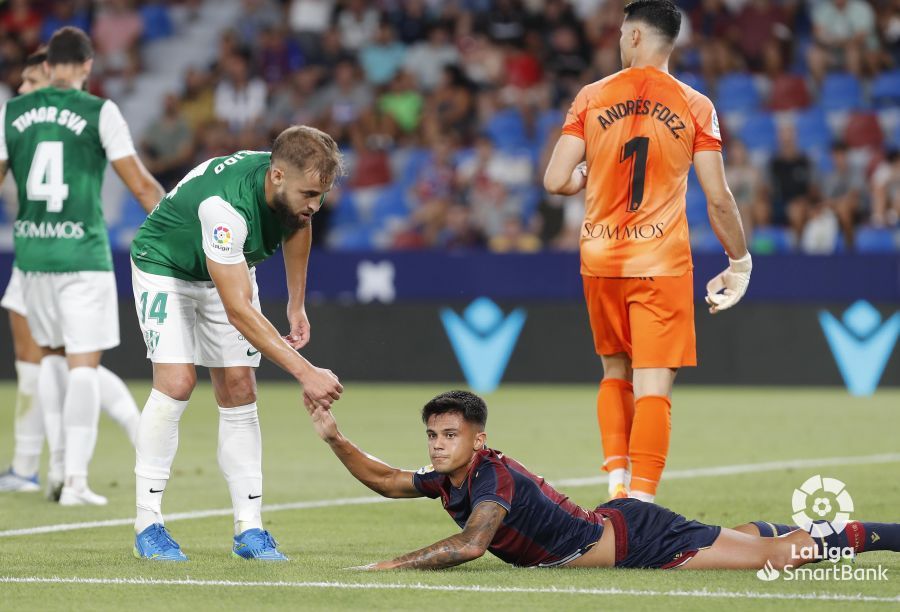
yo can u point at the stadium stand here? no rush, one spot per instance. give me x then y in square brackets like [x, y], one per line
[446, 110]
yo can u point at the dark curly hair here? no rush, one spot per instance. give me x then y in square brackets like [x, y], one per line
[470, 406]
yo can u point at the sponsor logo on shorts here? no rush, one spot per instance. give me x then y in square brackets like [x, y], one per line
[221, 236]
[251, 352]
[151, 339]
[67, 230]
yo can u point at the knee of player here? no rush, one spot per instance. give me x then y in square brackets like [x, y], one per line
[238, 392]
[177, 386]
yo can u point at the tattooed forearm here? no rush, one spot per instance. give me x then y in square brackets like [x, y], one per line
[459, 548]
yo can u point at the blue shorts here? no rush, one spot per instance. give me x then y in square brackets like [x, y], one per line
[650, 536]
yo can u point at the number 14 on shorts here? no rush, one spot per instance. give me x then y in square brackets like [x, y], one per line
[157, 307]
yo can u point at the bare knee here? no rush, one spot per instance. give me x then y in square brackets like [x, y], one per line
[234, 386]
[177, 382]
[617, 366]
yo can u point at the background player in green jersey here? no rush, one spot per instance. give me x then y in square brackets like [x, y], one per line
[115, 398]
[196, 297]
[57, 140]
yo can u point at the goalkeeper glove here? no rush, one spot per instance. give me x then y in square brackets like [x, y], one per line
[734, 280]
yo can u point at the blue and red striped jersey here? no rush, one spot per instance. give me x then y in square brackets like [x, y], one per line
[542, 526]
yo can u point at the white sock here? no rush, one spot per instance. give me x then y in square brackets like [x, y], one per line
[29, 424]
[117, 402]
[240, 459]
[51, 389]
[81, 412]
[155, 446]
[645, 497]
[618, 476]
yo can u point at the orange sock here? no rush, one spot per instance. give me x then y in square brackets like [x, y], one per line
[649, 442]
[615, 411]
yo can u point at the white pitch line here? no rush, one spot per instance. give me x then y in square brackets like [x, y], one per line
[451, 588]
[724, 470]
[748, 468]
[196, 514]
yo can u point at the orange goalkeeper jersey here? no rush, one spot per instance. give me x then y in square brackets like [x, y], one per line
[641, 128]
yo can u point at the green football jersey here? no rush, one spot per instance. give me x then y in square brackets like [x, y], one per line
[57, 142]
[171, 241]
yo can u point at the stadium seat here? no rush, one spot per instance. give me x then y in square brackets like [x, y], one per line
[841, 92]
[507, 130]
[390, 202]
[886, 90]
[157, 23]
[547, 122]
[863, 130]
[695, 203]
[788, 93]
[415, 161]
[694, 80]
[759, 132]
[736, 93]
[812, 130]
[344, 210]
[877, 240]
[771, 239]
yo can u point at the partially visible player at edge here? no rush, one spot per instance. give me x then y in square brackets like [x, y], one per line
[638, 131]
[57, 140]
[115, 398]
[503, 508]
[194, 278]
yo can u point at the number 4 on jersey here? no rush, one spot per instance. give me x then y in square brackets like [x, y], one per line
[45, 177]
[637, 146]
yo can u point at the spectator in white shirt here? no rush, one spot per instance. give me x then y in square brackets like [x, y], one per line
[239, 100]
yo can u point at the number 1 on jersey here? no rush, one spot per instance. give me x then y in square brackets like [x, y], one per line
[45, 177]
[638, 147]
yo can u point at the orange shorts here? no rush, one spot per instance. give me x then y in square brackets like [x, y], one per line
[650, 319]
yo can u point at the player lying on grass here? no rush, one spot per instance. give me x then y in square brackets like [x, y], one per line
[505, 509]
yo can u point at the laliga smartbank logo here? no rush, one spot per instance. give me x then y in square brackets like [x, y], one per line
[821, 507]
[824, 500]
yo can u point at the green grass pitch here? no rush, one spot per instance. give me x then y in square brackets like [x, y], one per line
[551, 429]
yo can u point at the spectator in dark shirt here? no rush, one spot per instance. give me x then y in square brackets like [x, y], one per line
[791, 175]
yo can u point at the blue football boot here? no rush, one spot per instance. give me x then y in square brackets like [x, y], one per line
[156, 544]
[257, 544]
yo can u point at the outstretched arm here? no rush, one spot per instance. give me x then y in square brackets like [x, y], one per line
[377, 475]
[466, 546]
[233, 284]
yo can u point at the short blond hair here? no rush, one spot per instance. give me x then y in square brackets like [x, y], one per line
[307, 148]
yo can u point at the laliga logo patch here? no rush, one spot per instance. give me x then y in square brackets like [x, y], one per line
[483, 341]
[861, 344]
[222, 238]
[830, 503]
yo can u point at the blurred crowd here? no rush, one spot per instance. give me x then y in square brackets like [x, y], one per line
[447, 109]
